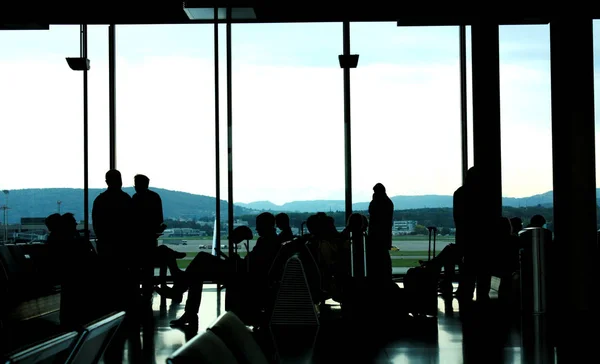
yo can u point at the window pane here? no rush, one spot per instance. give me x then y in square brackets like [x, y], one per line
[42, 128]
[98, 112]
[406, 129]
[526, 121]
[288, 121]
[165, 125]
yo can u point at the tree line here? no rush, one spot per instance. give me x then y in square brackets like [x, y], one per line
[442, 218]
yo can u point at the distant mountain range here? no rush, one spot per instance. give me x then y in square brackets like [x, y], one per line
[43, 202]
[400, 203]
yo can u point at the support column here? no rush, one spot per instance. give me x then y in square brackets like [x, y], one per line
[229, 135]
[112, 112]
[486, 114]
[573, 156]
[347, 61]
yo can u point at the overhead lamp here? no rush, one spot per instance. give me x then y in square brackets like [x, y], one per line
[204, 13]
[78, 63]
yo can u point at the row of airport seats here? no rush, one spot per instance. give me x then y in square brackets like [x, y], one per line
[85, 346]
[29, 286]
[227, 341]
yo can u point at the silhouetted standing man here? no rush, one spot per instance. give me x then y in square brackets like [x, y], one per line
[111, 212]
[147, 209]
[379, 240]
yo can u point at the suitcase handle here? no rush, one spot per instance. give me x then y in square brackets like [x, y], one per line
[432, 229]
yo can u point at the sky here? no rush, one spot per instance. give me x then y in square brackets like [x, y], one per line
[287, 109]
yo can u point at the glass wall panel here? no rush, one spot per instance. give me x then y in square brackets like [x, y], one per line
[406, 130]
[41, 123]
[165, 125]
[98, 112]
[526, 121]
[288, 121]
[597, 105]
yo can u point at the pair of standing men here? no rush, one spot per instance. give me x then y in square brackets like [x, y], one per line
[126, 229]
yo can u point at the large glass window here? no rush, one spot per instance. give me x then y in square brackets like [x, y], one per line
[597, 106]
[288, 120]
[98, 112]
[41, 123]
[165, 125]
[406, 129]
[526, 121]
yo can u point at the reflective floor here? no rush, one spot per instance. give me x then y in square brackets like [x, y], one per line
[479, 337]
[481, 334]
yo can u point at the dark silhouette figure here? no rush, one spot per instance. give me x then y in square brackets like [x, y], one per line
[282, 220]
[111, 219]
[209, 267]
[53, 223]
[517, 225]
[379, 241]
[77, 266]
[111, 215]
[537, 221]
[148, 216]
[476, 247]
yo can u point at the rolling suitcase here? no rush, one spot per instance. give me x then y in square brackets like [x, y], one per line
[421, 283]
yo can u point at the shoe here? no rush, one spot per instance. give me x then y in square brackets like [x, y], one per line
[185, 321]
[168, 292]
[179, 255]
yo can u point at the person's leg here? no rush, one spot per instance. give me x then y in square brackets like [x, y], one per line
[204, 267]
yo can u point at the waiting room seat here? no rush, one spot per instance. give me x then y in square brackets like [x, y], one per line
[204, 348]
[238, 338]
[55, 350]
[96, 337]
[294, 304]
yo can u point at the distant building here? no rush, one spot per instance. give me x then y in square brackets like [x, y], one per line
[403, 227]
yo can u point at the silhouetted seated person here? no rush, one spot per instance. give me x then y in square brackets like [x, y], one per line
[381, 219]
[447, 258]
[282, 220]
[53, 223]
[517, 225]
[77, 264]
[537, 221]
[208, 267]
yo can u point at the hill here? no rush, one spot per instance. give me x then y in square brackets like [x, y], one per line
[182, 205]
[43, 202]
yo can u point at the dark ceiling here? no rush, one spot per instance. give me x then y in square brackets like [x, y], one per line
[171, 11]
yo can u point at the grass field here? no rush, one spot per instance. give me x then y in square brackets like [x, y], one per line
[394, 238]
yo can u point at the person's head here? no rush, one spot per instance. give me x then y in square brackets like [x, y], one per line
[68, 222]
[282, 220]
[355, 222]
[378, 190]
[312, 224]
[53, 222]
[265, 224]
[517, 224]
[365, 223]
[537, 221]
[240, 234]
[141, 182]
[113, 179]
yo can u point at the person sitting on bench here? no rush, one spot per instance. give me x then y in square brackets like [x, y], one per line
[209, 267]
